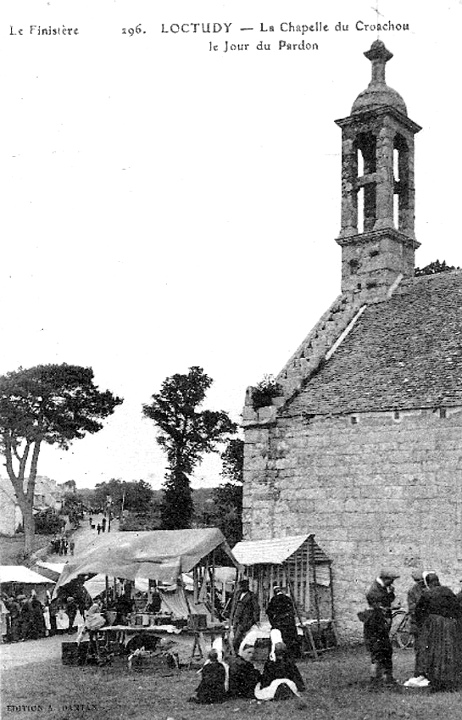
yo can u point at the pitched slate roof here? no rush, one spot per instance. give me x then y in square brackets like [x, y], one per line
[403, 353]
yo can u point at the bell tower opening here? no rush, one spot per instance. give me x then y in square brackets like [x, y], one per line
[367, 149]
[377, 219]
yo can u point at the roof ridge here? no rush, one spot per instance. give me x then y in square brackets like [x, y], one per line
[407, 284]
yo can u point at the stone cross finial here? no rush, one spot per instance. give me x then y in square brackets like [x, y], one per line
[377, 11]
[379, 56]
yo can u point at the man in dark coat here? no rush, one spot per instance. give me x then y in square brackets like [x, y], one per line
[15, 622]
[36, 619]
[24, 617]
[71, 610]
[377, 625]
[281, 614]
[246, 614]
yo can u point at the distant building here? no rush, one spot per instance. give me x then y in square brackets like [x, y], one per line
[47, 495]
[68, 487]
[10, 513]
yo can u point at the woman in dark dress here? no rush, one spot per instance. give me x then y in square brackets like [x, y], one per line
[243, 675]
[281, 677]
[438, 616]
[281, 614]
[36, 626]
[211, 688]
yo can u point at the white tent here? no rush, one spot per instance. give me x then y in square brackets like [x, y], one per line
[97, 585]
[55, 567]
[22, 575]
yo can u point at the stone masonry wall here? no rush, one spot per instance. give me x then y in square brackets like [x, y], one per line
[374, 488]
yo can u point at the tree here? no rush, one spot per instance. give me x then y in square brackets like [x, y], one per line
[433, 268]
[135, 495]
[228, 496]
[114, 488]
[72, 506]
[48, 522]
[53, 404]
[186, 434]
[139, 496]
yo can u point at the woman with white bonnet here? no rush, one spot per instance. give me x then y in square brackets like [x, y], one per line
[439, 619]
[281, 677]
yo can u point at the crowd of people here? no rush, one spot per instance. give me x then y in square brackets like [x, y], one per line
[435, 614]
[61, 545]
[27, 618]
[239, 678]
[101, 525]
[280, 611]
[436, 624]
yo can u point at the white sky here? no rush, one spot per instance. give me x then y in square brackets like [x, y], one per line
[167, 206]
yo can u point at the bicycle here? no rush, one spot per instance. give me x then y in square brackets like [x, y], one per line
[400, 632]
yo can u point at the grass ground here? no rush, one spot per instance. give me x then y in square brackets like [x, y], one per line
[337, 689]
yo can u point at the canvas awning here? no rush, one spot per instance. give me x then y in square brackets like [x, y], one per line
[97, 584]
[275, 551]
[160, 555]
[54, 567]
[22, 575]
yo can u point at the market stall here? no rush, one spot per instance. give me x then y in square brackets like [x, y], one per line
[160, 559]
[298, 563]
[15, 579]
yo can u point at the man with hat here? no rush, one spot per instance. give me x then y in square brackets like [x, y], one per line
[246, 613]
[377, 625]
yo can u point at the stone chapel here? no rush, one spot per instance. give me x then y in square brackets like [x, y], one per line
[363, 446]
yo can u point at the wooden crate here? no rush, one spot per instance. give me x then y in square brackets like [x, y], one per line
[161, 664]
[74, 654]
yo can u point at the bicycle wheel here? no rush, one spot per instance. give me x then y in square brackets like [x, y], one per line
[404, 637]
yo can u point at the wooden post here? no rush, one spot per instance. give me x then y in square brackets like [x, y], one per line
[307, 579]
[306, 630]
[316, 599]
[212, 585]
[334, 627]
[296, 595]
[185, 595]
[331, 581]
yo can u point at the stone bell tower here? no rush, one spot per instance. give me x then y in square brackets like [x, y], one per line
[377, 233]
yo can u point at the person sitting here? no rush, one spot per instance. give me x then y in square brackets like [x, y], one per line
[94, 618]
[123, 606]
[155, 604]
[243, 675]
[281, 677]
[211, 688]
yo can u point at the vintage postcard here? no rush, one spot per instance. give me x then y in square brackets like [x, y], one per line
[243, 189]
